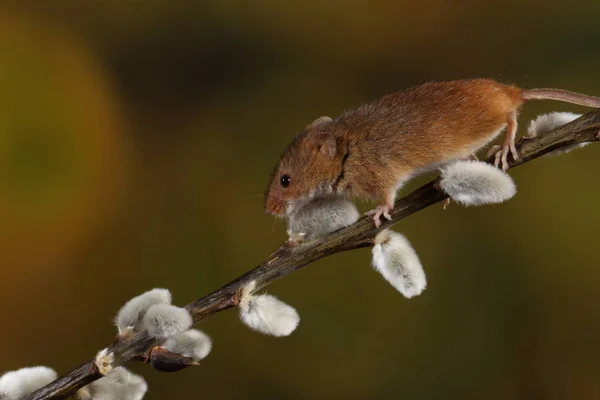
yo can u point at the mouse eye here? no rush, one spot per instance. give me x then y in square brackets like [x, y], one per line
[285, 181]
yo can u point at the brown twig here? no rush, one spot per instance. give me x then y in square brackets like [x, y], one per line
[288, 259]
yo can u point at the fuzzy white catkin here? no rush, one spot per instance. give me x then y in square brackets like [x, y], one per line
[119, 384]
[267, 314]
[22, 382]
[132, 312]
[546, 123]
[165, 320]
[474, 183]
[320, 217]
[192, 343]
[396, 260]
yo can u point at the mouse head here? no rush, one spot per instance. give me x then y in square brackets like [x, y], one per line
[309, 167]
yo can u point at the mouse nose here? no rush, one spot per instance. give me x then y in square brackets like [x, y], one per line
[275, 205]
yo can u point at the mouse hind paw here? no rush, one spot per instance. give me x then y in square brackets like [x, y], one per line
[500, 154]
[508, 145]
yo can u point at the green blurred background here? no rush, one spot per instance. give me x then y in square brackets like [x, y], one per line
[136, 138]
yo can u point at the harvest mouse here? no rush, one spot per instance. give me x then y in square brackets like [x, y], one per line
[369, 152]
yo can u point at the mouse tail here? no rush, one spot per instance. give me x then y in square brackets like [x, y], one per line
[561, 95]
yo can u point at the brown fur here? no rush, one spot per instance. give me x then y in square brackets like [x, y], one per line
[380, 145]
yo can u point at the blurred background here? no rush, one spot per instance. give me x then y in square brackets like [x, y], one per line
[136, 138]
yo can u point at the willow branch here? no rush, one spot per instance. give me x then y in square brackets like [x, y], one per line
[288, 259]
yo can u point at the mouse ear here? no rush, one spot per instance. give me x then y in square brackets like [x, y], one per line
[318, 122]
[324, 143]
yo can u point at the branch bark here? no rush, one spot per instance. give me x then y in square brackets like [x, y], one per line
[288, 259]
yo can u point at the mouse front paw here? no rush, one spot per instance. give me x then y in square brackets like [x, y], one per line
[379, 211]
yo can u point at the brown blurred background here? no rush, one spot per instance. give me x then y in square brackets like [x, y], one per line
[136, 138]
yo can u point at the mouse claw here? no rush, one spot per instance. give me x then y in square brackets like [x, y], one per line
[378, 212]
[513, 151]
[505, 151]
[501, 154]
[497, 159]
[492, 151]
